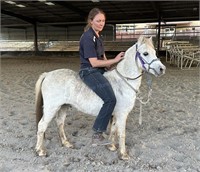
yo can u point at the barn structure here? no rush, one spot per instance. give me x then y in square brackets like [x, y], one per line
[57, 25]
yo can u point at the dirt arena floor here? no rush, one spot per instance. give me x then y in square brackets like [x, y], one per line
[167, 141]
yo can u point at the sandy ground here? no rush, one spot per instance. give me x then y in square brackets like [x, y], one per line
[168, 139]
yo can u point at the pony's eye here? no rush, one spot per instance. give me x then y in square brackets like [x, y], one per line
[145, 54]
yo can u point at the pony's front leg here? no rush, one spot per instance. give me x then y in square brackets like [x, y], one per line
[121, 127]
[60, 122]
[113, 134]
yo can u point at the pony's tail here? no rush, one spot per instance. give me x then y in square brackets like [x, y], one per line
[39, 98]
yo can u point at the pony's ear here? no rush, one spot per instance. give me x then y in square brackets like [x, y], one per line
[141, 40]
[151, 39]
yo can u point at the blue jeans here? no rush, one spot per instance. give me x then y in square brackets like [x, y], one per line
[94, 79]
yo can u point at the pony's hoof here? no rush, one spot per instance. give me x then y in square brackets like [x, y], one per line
[41, 153]
[112, 147]
[68, 145]
[124, 156]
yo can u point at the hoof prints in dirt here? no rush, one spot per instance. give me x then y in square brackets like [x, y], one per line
[167, 140]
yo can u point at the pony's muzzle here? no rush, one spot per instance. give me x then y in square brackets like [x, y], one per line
[162, 70]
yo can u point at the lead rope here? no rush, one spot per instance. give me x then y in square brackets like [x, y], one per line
[138, 97]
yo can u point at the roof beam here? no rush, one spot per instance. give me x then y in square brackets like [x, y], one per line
[68, 5]
[27, 19]
[156, 8]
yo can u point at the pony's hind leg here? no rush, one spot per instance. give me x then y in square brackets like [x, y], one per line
[42, 126]
[60, 119]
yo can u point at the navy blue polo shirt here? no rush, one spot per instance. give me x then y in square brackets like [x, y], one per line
[90, 46]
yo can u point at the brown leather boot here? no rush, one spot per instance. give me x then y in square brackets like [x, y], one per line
[99, 140]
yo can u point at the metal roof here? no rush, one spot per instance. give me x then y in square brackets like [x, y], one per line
[75, 12]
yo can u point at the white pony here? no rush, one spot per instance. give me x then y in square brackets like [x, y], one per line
[60, 89]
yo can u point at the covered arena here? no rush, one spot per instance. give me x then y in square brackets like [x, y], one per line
[40, 38]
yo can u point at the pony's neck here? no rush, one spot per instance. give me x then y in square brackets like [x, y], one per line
[128, 66]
